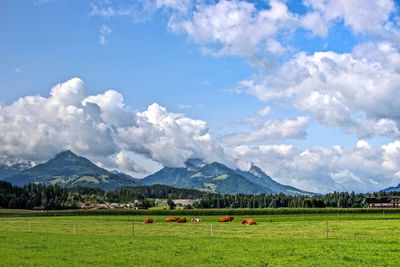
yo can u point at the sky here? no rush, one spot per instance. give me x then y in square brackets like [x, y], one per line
[306, 90]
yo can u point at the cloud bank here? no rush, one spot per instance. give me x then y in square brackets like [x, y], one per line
[361, 168]
[100, 126]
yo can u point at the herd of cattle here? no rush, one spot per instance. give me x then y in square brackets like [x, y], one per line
[183, 220]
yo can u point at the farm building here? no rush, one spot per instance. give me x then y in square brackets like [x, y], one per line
[383, 202]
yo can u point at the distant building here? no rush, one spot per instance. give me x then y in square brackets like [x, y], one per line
[383, 202]
[185, 202]
[178, 202]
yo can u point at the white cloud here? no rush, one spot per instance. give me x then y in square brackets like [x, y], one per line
[265, 111]
[138, 10]
[271, 131]
[316, 23]
[179, 5]
[104, 32]
[101, 127]
[237, 28]
[184, 106]
[16, 69]
[125, 163]
[362, 16]
[354, 91]
[362, 168]
[170, 138]
[41, 2]
[35, 127]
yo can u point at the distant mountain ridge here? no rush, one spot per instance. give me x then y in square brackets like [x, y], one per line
[10, 170]
[256, 175]
[391, 189]
[218, 178]
[68, 169]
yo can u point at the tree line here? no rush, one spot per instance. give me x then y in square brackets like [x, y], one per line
[331, 200]
[57, 197]
[34, 195]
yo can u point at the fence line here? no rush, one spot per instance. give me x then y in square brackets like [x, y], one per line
[233, 229]
[275, 217]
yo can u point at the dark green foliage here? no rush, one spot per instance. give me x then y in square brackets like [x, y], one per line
[171, 204]
[85, 190]
[31, 196]
[123, 195]
[335, 199]
[165, 191]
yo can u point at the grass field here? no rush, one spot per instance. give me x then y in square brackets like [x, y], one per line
[276, 240]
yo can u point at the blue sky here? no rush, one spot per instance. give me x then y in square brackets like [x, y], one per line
[304, 89]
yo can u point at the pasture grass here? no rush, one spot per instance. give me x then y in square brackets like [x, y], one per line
[276, 240]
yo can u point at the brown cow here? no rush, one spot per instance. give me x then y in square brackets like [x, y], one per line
[249, 221]
[226, 219]
[172, 219]
[148, 220]
[182, 220]
[196, 220]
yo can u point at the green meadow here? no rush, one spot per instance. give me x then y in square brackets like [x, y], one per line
[276, 240]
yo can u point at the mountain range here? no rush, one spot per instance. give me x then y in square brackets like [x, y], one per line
[391, 189]
[218, 178]
[68, 169]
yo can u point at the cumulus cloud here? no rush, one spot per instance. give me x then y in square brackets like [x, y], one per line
[124, 162]
[171, 138]
[362, 16]
[271, 131]
[362, 168]
[237, 28]
[101, 127]
[354, 91]
[35, 127]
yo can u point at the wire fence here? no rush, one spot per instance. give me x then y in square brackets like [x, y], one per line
[298, 229]
[385, 214]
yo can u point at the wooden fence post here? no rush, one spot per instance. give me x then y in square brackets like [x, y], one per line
[29, 226]
[133, 228]
[74, 228]
[326, 228]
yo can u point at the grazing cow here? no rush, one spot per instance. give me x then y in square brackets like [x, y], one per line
[148, 220]
[172, 219]
[182, 220]
[226, 219]
[196, 220]
[249, 221]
